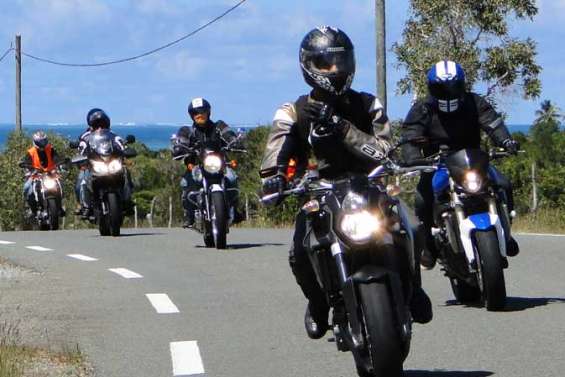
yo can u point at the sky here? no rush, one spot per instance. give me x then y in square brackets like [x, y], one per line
[246, 65]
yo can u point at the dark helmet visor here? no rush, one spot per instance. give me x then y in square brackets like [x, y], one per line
[332, 62]
[449, 90]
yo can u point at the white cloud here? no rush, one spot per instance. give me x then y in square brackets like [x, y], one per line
[182, 65]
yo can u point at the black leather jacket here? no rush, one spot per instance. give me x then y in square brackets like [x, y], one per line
[458, 130]
[214, 134]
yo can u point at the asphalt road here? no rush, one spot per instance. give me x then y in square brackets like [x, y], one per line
[238, 312]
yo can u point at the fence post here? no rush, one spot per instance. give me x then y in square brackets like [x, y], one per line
[246, 207]
[534, 189]
[150, 217]
[170, 211]
[135, 216]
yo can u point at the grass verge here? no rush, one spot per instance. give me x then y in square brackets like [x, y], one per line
[544, 220]
[18, 360]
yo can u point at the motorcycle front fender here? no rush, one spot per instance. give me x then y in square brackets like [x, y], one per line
[480, 222]
[375, 274]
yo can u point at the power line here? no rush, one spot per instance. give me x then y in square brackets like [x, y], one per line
[50, 61]
[6, 53]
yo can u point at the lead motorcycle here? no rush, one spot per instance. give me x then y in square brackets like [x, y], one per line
[362, 247]
[48, 195]
[217, 192]
[105, 160]
[473, 225]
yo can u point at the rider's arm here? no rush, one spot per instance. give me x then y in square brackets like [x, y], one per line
[415, 125]
[25, 161]
[373, 145]
[491, 121]
[227, 134]
[281, 143]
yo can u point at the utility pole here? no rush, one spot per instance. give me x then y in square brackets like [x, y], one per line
[18, 83]
[381, 50]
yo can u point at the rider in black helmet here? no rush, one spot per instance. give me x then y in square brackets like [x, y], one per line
[97, 119]
[203, 131]
[346, 130]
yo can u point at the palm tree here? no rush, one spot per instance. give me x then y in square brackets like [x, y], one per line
[548, 113]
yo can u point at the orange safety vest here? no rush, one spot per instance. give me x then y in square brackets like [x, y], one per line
[36, 161]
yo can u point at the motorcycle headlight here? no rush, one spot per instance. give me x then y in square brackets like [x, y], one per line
[360, 226]
[353, 202]
[213, 163]
[114, 166]
[49, 183]
[99, 167]
[472, 182]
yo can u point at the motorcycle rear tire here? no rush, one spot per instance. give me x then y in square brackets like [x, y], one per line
[383, 338]
[491, 269]
[54, 209]
[208, 236]
[464, 293]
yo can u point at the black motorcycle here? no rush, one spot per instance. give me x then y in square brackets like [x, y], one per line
[217, 192]
[48, 196]
[105, 162]
[473, 225]
[362, 247]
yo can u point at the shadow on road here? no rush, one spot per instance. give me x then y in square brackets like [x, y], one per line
[446, 373]
[141, 234]
[240, 246]
[516, 304]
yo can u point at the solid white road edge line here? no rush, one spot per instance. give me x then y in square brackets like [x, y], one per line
[6, 242]
[125, 273]
[81, 257]
[186, 358]
[162, 303]
[540, 234]
[38, 248]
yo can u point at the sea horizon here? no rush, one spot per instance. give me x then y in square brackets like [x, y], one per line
[155, 136]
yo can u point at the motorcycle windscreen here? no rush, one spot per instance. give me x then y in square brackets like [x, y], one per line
[464, 160]
[102, 142]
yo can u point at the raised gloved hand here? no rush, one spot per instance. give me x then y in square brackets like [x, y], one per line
[318, 112]
[511, 145]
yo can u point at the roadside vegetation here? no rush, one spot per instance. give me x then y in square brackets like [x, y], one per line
[538, 176]
[18, 360]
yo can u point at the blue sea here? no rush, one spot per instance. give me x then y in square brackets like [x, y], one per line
[155, 136]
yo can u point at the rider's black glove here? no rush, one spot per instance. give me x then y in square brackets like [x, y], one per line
[511, 146]
[325, 123]
[274, 184]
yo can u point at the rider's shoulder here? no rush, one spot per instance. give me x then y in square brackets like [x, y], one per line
[286, 113]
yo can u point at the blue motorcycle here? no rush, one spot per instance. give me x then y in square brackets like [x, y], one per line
[472, 225]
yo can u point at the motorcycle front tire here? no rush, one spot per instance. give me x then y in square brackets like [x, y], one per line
[53, 209]
[383, 338]
[491, 270]
[219, 219]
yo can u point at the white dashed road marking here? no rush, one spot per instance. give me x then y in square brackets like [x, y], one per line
[162, 303]
[186, 358]
[81, 257]
[125, 273]
[6, 242]
[38, 248]
[540, 234]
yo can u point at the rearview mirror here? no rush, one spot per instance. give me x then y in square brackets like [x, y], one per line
[130, 139]
[73, 144]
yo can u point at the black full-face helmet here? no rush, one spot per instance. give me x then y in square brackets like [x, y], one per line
[327, 60]
[198, 106]
[98, 119]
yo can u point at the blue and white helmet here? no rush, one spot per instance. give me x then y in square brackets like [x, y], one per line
[446, 83]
